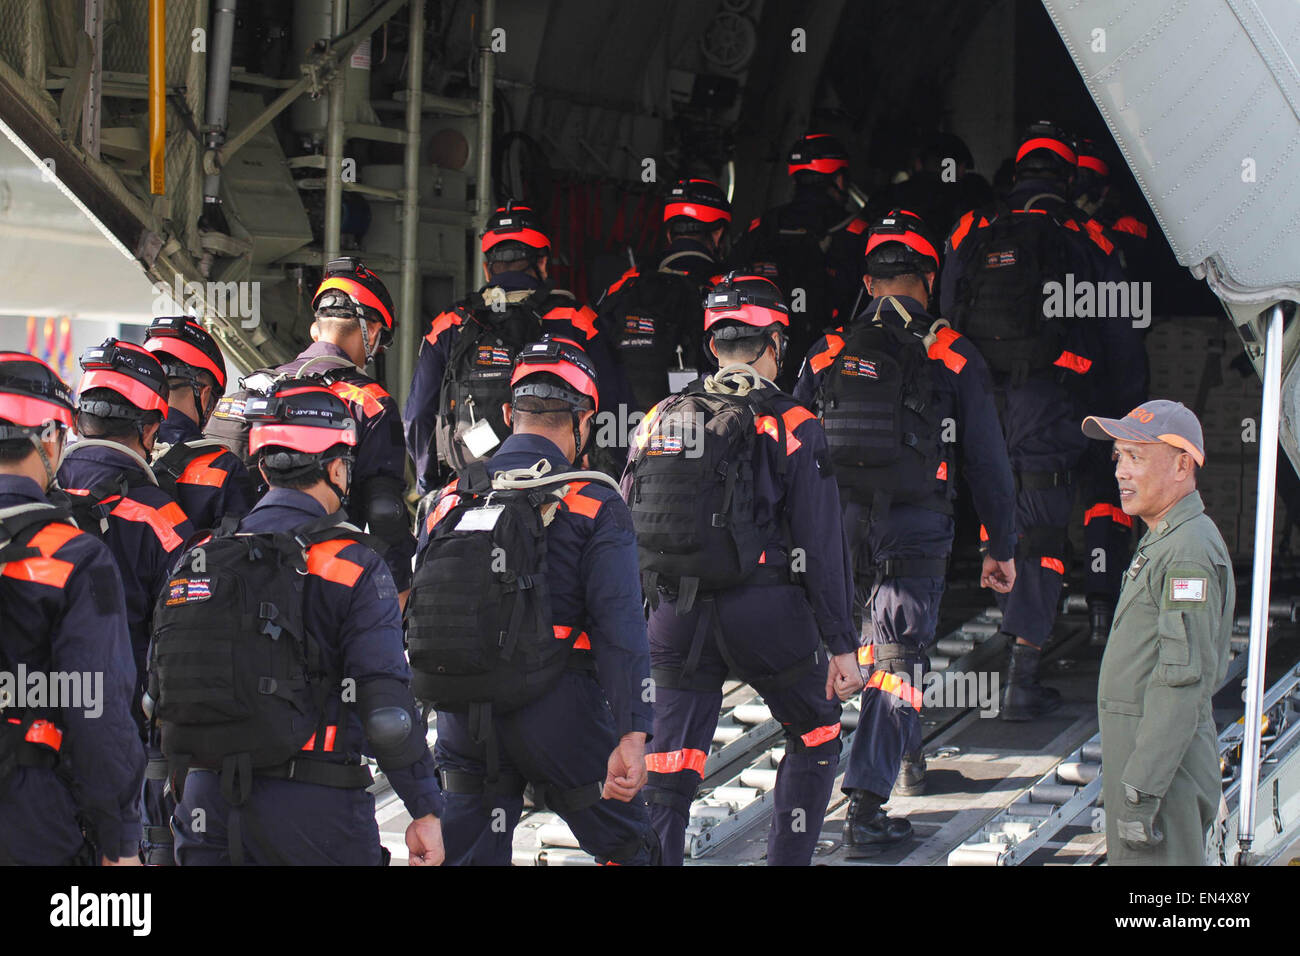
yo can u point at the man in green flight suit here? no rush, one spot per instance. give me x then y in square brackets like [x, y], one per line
[1168, 646]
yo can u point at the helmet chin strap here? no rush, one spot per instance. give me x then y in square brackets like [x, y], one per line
[342, 495]
[371, 347]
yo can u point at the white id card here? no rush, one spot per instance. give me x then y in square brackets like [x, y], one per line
[480, 519]
[679, 378]
[479, 438]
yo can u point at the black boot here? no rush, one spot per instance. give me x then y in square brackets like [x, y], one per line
[911, 775]
[1100, 614]
[1024, 698]
[868, 829]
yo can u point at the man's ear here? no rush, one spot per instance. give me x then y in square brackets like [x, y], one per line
[487, 275]
[929, 283]
[315, 331]
[338, 472]
[866, 281]
[150, 434]
[713, 349]
[508, 413]
[261, 467]
[543, 264]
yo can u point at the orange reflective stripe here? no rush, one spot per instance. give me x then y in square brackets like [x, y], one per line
[815, 738]
[48, 571]
[984, 533]
[446, 501]
[631, 273]
[963, 228]
[1110, 511]
[824, 358]
[52, 537]
[1132, 226]
[442, 323]
[675, 761]
[642, 433]
[583, 643]
[766, 425]
[754, 224]
[1052, 564]
[582, 319]
[888, 683]
[44, 733]
[1075, 363]
[201, 472]
[857, 226]
[942, 472]
[162, 520]
[322, 562]
[331, 732]
[941, 350]
[581, 504]
[368, 397]
[1097, 232]
[866, 655]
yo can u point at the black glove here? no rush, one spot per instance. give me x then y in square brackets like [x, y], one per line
[1136, 820]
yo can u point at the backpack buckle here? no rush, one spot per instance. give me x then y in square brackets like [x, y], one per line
[719, 520]
[267, 685]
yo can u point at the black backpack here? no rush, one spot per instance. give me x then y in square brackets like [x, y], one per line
[999, 300]
[238, 684]
[476, 381]
[478, 619]
[692, 492]
[18, 525]
[656, 323]
[876, 404]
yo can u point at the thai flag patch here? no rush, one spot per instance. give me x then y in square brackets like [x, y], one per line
[494, 355]
[859, 367]
[188, 591]
[665, 445]
[639, 325]
[1000, 258]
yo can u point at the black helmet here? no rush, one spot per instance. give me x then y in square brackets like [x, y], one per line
[742, 305]
[128, 370]
[179, 340]
[349, 289]
[1046, 150]
[514, 232]
[818, 153]
[564, 359]
[696, 205]
[31, 396]
[900, 244]
[1093, 170]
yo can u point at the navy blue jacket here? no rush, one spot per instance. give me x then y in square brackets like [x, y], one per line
[963, 391]
[593, 574]
[351, 609]
[145, 531]
[213, 485]
[570, 321]
[63, 612]
[380, 451]
[806, 499]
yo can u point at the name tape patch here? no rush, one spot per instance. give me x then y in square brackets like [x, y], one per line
[1187, 589]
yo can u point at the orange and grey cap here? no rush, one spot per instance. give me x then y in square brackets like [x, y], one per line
[1151, 422]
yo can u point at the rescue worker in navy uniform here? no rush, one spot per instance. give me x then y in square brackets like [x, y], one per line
[121, 405]
[208, 481]
[811, 243]
[796, 630]
[62, 765]
[899, 516]
[655, 318]
[583, 740]
[304, 438]
[1107, 530]
[120, 410]
[470, 349]
[1004, 302]
[354, 323]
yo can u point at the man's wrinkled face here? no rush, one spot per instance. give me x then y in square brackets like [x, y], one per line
[1147, 475]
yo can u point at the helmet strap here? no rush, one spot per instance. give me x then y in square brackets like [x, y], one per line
[45, 460]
